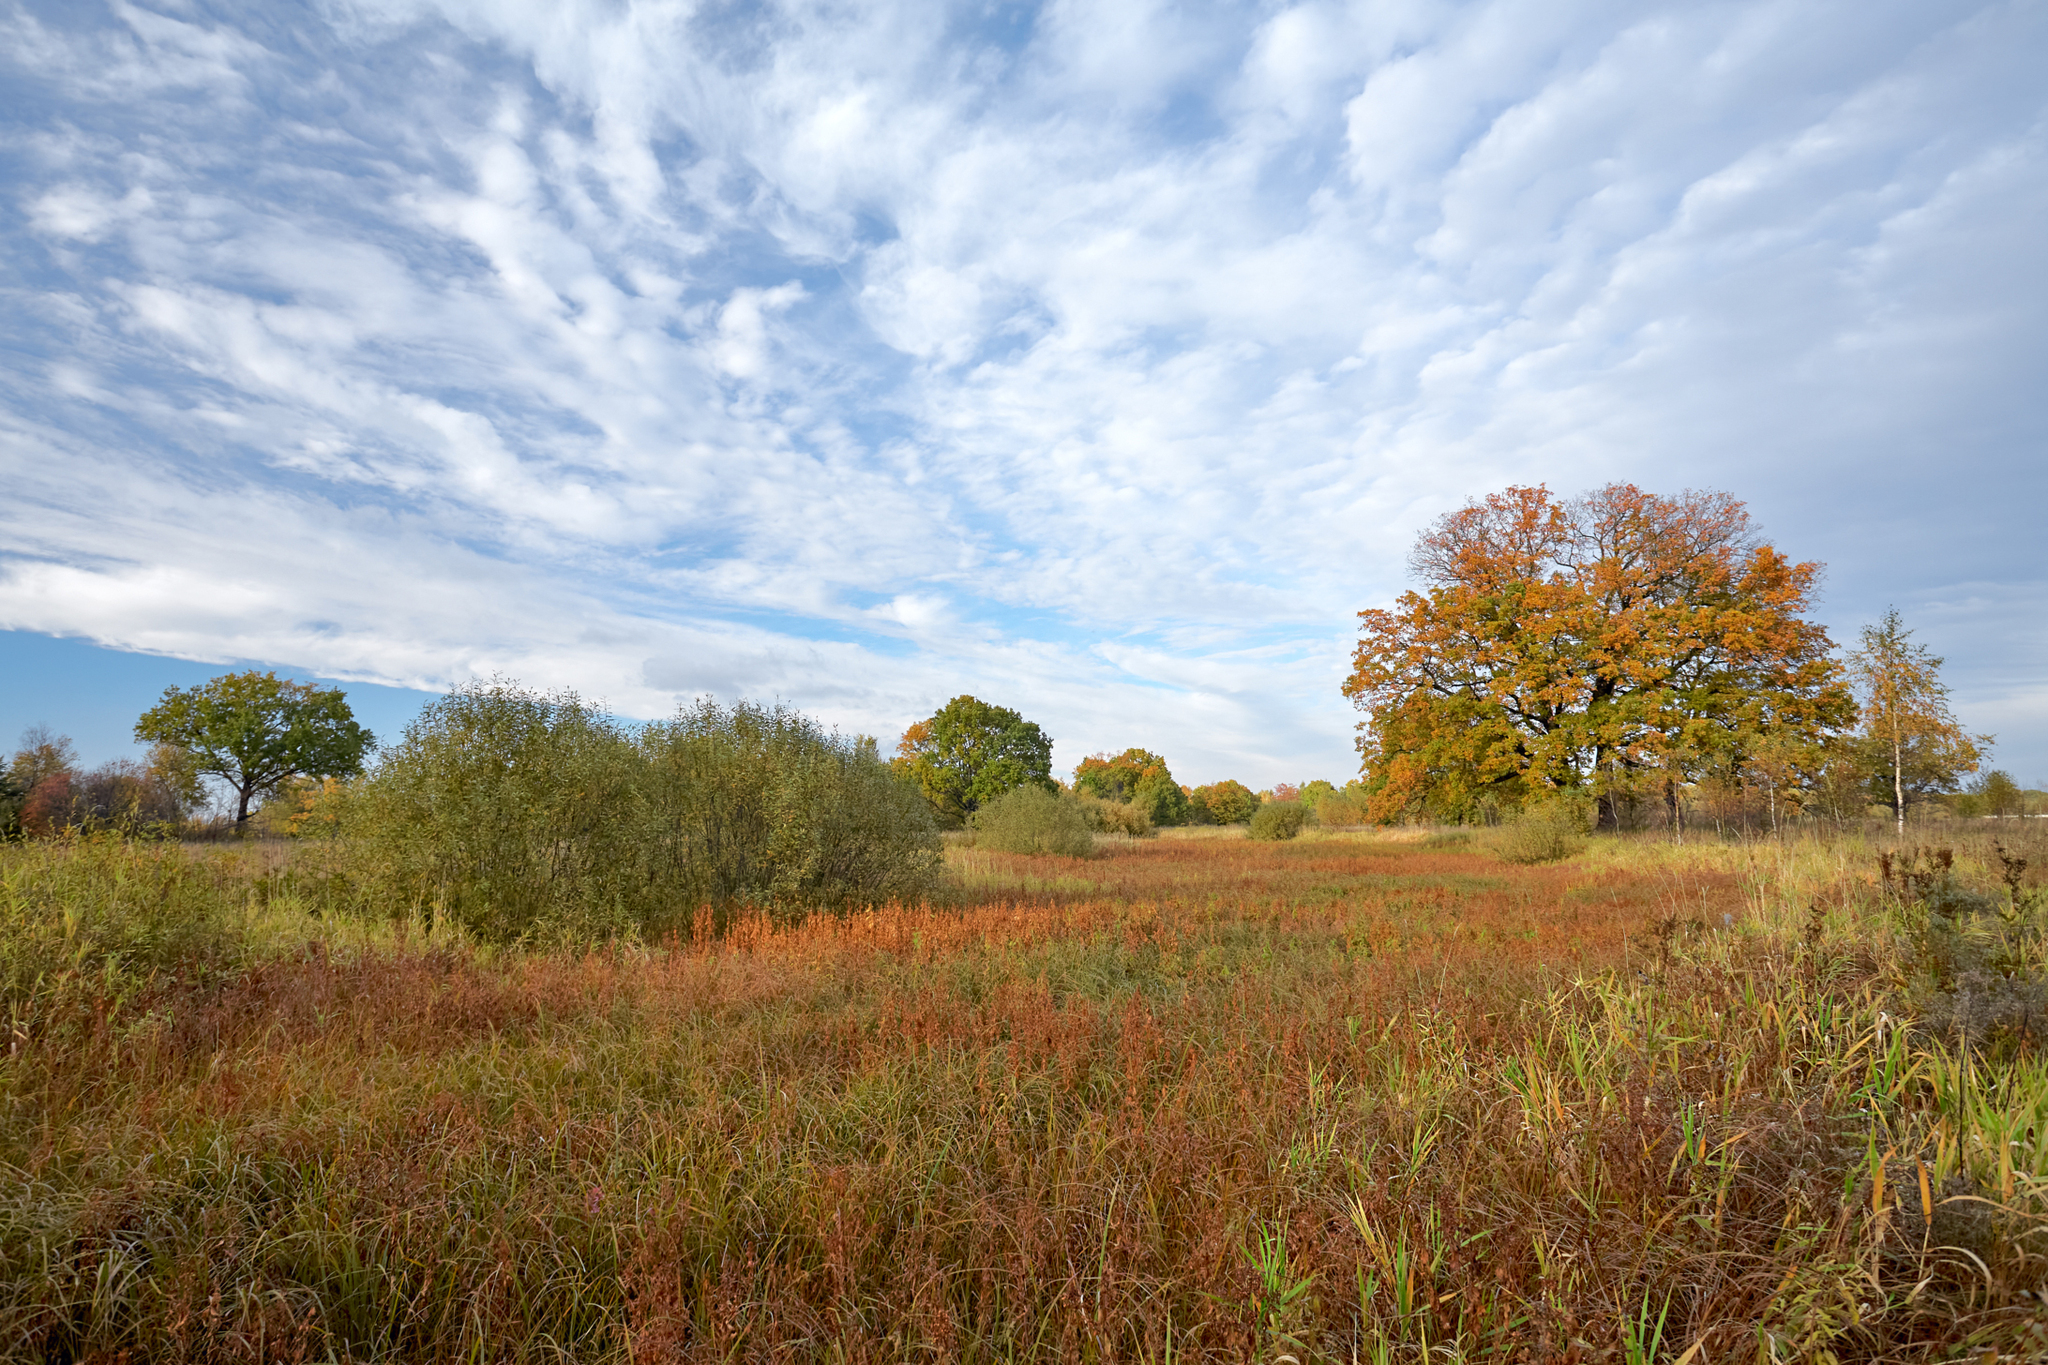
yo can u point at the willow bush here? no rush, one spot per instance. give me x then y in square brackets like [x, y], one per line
[761, 805]
[1030, 819]
[521, 817]
[1278, 820]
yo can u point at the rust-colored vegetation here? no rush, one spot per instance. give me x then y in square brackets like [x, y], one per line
[1347, 1098]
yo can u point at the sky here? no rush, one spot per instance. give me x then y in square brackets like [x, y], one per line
[1101, 359]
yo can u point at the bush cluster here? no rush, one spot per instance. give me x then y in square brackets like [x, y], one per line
[1129, 818]
[1545, 832]
[1279, 819]
[1033, 820]
[519, 816]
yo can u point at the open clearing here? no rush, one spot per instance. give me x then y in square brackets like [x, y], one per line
[1195, 1098]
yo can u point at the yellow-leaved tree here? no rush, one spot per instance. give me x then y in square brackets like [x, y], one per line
[1608, 645]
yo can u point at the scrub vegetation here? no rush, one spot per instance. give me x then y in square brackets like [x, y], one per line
[1345, 1097]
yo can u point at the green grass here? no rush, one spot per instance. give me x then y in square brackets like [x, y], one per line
[1195, 1098]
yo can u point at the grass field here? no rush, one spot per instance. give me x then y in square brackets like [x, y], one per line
[1352, 1097]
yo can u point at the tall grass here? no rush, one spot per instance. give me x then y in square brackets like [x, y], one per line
[1342, 1098]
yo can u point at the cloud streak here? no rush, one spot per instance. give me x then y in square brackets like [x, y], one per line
[1099, 359]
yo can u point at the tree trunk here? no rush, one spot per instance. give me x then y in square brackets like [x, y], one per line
[242, 806]
[1677, 820]
[1898, 781]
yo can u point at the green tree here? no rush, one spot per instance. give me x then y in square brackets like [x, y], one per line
[1222, 803]
[1912, 745]
[1138, 777]
[12, 794]
[256, 730]
[1999, 794]
[971, 752]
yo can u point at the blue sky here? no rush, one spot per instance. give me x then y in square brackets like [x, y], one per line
[1098, 359]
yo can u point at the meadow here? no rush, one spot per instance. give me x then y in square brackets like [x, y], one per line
[1354, 1097]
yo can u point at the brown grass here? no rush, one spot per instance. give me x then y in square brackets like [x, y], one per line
[1346, 1098]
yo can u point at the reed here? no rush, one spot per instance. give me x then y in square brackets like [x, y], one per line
[1344, 1097]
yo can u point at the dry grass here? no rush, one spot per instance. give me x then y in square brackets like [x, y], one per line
[1350, 1097]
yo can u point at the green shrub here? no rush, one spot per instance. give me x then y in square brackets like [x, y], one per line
[1543, 833]
[1278, 820]
[1114, 817]
[1336, 811]
[759, 805]
[525, 817]
[1033, 820]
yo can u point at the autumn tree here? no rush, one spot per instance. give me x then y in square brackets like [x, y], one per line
[42, 753]
[35, 797]
[971, 752]
[1137, 777]
[255, 731]
[1227, 802]
[1604, 644]
[1913, 745]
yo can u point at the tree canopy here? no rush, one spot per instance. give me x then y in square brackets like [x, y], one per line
[1222, 803]
[257, 730]
[971, 752]
[1608, 643]
[1137, 777]
[1911, 742]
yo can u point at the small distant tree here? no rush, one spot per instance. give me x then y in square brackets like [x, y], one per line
[255, 731]
[11, 797]
[971, 752]
[1913, 745]
[42, 753]
[35, 798]
[2000, 795]
[1114, 777]
[1137, 777]
[1223, 803]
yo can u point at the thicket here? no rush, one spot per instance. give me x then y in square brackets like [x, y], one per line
[1279, 819]
[1033, 820]
[1543, 832]
[519, 816]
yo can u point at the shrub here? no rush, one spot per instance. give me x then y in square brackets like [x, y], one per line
[1279, 820]
[1340, 810]
[1114, 817]
[521, 817]
[1543, 833]
[1033, 820]
[759, 805]
[509, 813]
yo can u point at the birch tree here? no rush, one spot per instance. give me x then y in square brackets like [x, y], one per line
[1913, 744]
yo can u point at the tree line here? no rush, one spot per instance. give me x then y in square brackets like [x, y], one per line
[1640, 654]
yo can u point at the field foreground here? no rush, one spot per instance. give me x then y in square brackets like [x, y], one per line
[1349, 1098]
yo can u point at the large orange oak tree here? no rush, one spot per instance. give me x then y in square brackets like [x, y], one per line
[1615, 643]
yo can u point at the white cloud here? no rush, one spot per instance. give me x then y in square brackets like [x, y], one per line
[1103, 358]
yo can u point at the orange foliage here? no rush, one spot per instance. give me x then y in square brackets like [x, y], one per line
[1592, 644]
